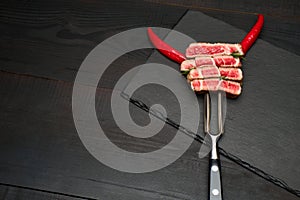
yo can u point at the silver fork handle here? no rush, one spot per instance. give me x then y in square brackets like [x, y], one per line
[215, 184]
[215, 189]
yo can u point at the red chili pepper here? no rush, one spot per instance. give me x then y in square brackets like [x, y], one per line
[165, 49]
[253, 34]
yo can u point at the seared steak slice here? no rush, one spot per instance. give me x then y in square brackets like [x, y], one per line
[216, 49]
[187, 65]
[230, 87]
[222, 61]
[204, 72]
[219, 61]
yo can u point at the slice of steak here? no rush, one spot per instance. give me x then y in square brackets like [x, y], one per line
[234, 74]
[219, 61]
[216, 49]
[204, 72]
[224, 61]
[187, 65]
[230, 87]
[206, 60]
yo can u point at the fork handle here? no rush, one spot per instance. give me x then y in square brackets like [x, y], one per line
[215, 191]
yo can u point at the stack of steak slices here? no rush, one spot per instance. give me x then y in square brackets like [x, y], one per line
[214, 67]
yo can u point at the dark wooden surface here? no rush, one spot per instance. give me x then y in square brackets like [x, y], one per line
[43, 45]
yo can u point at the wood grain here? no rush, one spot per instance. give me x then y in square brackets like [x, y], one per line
[40, 149]
[282, 18]
[8, 192]
[42, 46]
[51, 40]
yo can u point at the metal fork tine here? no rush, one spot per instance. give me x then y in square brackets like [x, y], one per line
[220, 113]
[215, 189]
[206, 113]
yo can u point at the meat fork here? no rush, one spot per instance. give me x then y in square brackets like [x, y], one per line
[213, 126]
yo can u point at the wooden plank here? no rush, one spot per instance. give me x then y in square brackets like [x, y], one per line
[52, 39]
[282, 19]
[41, 149]
[39, 144]
[278, 8]
[8, 192]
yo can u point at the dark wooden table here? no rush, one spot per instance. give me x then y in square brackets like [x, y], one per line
[42, 47]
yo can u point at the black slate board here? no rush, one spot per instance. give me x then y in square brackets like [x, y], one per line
[262, 124]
